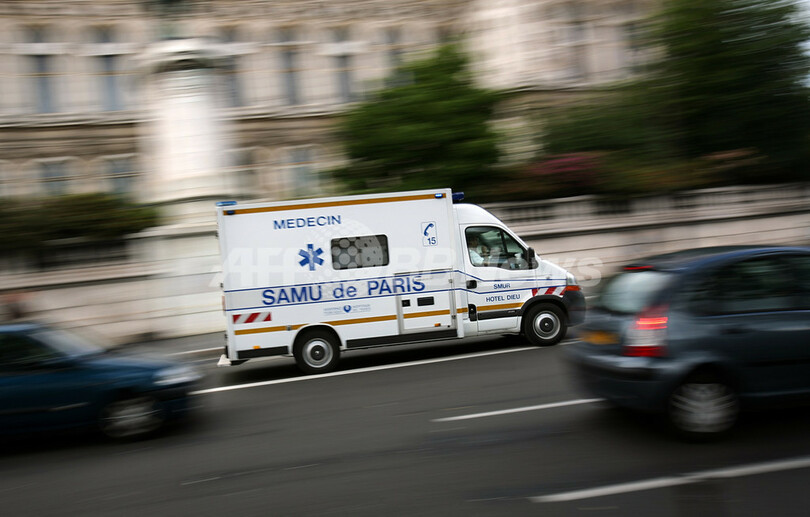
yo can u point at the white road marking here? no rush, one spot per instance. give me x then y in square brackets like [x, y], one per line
[206, 480]
[199, 351]
[664, 482]
[302, 466]
[517, 410]
[360, 370]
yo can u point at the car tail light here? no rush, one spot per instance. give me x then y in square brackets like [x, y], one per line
[647, 336]
[637, 268]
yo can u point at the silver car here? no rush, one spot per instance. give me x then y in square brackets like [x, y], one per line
[700, 334]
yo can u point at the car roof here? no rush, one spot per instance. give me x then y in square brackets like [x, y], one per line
[701, 257]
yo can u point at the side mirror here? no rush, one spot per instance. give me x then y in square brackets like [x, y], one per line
[531, 257]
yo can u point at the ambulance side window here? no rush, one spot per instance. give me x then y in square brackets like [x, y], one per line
[490, 246]
[357, 252]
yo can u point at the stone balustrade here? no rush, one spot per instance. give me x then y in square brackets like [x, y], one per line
[169, 287]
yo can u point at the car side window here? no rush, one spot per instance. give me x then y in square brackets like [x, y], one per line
[800, 265]
[754, 285]
[18, 352]
[701, 295]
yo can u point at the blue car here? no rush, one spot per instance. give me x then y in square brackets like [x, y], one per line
[700, 334]
[51, 379]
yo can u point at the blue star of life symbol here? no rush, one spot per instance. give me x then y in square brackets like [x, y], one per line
[311, 257]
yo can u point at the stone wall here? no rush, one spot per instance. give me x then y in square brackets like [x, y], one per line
[172, 289]
[592, 236]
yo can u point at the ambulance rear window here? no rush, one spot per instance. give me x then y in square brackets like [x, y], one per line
[357, 252]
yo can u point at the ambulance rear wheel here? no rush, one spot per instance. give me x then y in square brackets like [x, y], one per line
[317, 351]
[544, 325]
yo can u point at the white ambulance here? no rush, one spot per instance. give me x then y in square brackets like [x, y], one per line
[314, 278]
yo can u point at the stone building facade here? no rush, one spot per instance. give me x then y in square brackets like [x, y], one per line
[86, 100]
[74, 88]
[73, 103]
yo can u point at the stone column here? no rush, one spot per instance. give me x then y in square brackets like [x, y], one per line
[185, 152]
[185, 142]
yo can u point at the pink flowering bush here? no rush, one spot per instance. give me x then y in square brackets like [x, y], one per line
[559, 175]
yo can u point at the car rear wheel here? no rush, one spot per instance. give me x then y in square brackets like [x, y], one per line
[317, 352]
[131, 417]
[703, 406]
[544, 325]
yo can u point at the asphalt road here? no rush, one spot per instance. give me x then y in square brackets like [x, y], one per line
[490, 428]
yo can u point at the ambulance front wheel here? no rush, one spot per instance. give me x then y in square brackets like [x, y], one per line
[317, 351]
[544, 325]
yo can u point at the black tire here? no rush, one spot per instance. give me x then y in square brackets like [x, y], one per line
[317, 351]
[544, 324]
[703, 406]
[131, 417]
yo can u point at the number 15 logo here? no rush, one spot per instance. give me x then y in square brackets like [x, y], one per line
[429, 234]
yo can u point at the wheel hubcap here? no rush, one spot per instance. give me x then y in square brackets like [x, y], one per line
[704, 408]
[546, 325]
[317, 353]
[131, 417]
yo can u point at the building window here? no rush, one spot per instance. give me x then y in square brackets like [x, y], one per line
[121, 175]
[444, 34]
[54, 176]
[38, 34]
[112, 100]
[301, 171]
[393, 40]
[109, 72]
[42, 71]
[229, 36]
[344, 71]
[5, 190]
[574, 40]
[633, 53]
[578, 68]
[343, 66]
[43, 84]
[289, 66]
[242, 172]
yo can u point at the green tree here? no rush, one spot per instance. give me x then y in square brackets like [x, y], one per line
[428, 129]
[733, 75]
[93, 218]
[727, 94]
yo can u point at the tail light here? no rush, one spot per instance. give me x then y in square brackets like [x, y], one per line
[647, 336]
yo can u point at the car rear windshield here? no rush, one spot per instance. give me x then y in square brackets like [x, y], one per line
[631, 292]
